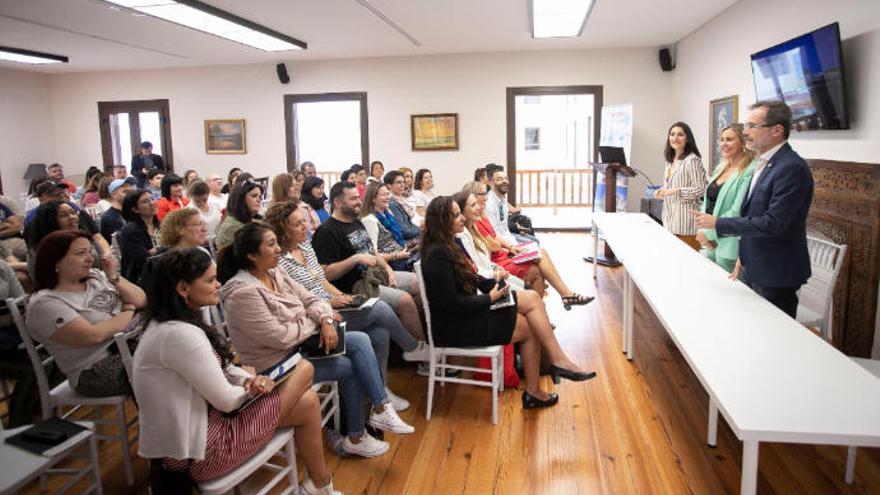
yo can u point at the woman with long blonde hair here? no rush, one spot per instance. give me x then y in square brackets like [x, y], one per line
[725, 193]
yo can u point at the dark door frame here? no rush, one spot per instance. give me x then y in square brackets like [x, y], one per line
[133, 107]
[290, 122]
[512, 93]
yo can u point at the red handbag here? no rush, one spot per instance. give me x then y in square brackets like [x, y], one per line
[511, 379]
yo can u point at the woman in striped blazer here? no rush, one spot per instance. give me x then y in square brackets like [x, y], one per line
[684, 181]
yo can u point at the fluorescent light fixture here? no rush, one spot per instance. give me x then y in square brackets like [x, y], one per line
[207, 19]
[559, 18]
[29, 56]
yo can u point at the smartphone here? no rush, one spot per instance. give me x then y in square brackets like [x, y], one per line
[502, 284]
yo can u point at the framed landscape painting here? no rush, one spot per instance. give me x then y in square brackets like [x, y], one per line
[225, 136]
[434, 132]
[722, 112]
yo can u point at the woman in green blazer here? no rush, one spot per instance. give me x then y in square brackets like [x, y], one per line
[725, 194]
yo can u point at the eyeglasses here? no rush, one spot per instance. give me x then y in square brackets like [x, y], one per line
[749, 125]
[65, 214]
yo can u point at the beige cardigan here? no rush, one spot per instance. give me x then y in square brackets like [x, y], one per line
[176, 375]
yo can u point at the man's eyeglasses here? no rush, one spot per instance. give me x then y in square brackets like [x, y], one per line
[749, 125]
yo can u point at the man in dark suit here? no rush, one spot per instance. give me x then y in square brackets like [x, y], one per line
[773, 254]
[143, 162]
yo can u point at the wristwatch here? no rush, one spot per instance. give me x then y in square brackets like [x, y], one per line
[329, 320]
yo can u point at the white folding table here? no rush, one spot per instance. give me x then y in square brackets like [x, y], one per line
[773, 380]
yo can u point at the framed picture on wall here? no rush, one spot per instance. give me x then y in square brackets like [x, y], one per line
[434, 132]
[722, 112]
[225, 136]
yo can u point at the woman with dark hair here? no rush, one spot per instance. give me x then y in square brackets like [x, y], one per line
[422, 194]
[243, 207]
[199, 192]
[299, 178]
[268, 314]
[137, 240]
[172, 196]
[186, 386]
[463, 318]
[312, 205]
[230, 180]
[377, 170]
[76, 309]
[81, 190]
[90, 196]
[61, 215]
[359, 177]
[382, 227]
[299, 260]
[684, 182]
[283, 188]
[104, 203]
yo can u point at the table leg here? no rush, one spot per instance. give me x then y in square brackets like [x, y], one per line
[628, 314]
[595, 231]
[749, 481]
[713, 423]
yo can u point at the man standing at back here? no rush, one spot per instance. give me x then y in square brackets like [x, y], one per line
[773, 256]
[143, 162]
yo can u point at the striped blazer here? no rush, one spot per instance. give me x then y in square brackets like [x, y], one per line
[689, 177]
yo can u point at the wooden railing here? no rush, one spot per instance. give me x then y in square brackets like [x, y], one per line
[562, 187]
[330, 178]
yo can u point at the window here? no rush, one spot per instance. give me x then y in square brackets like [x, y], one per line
[533, 138]
[126, 124]
[329, 130]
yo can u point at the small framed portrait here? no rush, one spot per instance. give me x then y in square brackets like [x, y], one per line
[434, 132]
[225, 136]
[722, 112]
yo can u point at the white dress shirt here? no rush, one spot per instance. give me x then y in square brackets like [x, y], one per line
[498, 213]
[761, 162]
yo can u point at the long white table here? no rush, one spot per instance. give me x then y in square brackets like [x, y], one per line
[773, 380]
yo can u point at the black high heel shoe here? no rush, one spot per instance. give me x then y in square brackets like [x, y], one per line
[556, 373]
[531, 402]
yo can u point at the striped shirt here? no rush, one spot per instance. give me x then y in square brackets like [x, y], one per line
[689, 177]
[311, 275]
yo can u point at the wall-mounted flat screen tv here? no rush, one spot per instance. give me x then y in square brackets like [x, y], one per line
[807, 74]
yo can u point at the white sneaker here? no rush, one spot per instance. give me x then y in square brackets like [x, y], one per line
[420, 353]
[424, 370]
[367, 447]
[398, 403]
[389, 421]
[309, 488]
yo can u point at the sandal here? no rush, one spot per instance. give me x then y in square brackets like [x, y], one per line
[575, 299]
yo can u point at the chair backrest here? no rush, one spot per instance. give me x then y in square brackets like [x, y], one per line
[114, 246]
[121, 339]
[39, 364]
[417, 268]
[826, 258]
[212, 246]
[217, 320]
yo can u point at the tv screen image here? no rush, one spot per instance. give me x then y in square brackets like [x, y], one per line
[807, 74]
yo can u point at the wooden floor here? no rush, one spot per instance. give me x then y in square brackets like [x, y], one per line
[640, 427]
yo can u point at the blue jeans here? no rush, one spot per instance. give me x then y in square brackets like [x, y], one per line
[380, 323]
[357, 372]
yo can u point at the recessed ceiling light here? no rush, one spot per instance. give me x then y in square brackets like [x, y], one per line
[30, 57]
[559, 18]
[207, 19]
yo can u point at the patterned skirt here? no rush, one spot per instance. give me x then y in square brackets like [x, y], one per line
[232, 439]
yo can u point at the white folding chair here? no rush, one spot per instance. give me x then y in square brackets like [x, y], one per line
[21, 467]
[54, 400]
[437, 364]
[815, 298]
[212, 246]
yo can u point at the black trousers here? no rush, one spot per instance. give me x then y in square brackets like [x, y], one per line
[784, 298]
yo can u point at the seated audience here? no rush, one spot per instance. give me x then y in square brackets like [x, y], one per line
[314, 203]
[284, 188]
[104, 194]
[243, 207]
[77, 309]
[499, 211]
[11, 235]
[183, 229]
[56, 173]
[199, 195]
[359, 177]
[298, 259]
[268, 315]
[684, 181]
[408, 178]
[58, 215]
[309, 169]
[406, 215]
[299, 178]
[188, 178]
[188, 389]
[377, 170]
[215, 182]
[89, 196]
[137, 238]
[48, 190]
[19, 268]
[155, 176]
[120, 172]
[480, 175]
[422, 191]
[383, 229]
[345, 252]
[724, 195]
[112, 221]
[533, 272]
[233, 174]
[172, 196]
[145, 162]
[460, 317]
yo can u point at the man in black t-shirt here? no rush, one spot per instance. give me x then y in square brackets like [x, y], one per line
[345, 250]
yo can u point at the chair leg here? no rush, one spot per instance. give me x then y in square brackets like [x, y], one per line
[850, 464]
[337, 418]
[292, 475]
[431, 369]
[501, 370]
[443, 370]
[495, 378]
[126, 445]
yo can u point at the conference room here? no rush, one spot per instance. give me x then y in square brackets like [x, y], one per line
[518, 247]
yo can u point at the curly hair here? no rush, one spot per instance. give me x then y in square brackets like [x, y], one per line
[172, 225]
[438, 234]
[276, 217]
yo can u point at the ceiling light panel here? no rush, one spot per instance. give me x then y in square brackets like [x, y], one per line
[559, 18]
[207, 19]
[30, 57]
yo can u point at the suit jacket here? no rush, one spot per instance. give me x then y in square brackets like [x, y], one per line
[773, 223]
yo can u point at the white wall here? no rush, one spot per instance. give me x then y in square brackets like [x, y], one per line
[474, 86]
[713, 62]
[26, 127]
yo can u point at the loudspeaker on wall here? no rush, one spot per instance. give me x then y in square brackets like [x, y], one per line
[666, 62]
[283, 78]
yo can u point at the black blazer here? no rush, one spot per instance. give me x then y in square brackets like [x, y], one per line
[134, 246]
[773, 225]
[137, 167]
[457, 318]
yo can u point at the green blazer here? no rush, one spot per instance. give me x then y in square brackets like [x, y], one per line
[730, 198]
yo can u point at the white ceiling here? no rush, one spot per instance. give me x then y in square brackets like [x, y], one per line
[97, 37]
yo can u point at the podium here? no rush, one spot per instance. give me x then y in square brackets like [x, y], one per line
[611, 170]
